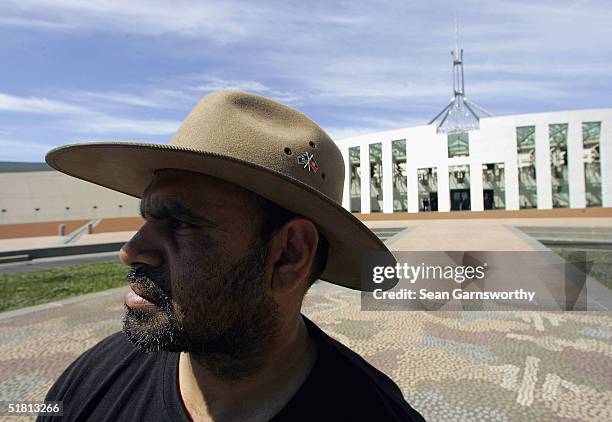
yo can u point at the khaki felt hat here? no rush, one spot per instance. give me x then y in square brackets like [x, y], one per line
[251, 141]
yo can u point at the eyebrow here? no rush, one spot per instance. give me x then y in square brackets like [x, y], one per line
[173, 209]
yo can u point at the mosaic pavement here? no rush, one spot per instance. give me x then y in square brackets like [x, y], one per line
[513, 366]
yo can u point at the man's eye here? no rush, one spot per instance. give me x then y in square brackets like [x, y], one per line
[178, 225]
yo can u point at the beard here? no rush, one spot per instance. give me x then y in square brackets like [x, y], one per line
[227, 323]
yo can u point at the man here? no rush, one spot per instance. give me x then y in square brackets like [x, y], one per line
[241, 216]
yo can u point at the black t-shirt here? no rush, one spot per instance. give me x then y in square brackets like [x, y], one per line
[114, 381]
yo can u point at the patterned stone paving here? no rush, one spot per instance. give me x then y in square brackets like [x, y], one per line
[506, 366]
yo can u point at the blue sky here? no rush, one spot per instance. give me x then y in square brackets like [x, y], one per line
[74, 70]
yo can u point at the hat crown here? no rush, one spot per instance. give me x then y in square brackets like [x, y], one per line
[266, 133]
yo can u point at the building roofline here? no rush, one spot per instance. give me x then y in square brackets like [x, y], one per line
[534, 115]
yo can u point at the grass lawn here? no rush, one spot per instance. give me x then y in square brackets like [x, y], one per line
[18, 290]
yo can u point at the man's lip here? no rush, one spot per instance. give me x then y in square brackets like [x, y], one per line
[134, 301]
[140, 293]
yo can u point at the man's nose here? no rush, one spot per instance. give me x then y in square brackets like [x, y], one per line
[141, 249]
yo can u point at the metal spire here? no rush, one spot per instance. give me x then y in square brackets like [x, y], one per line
[456, 37]
[459, 115]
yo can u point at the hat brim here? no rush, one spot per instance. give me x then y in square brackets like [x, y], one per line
[129, 167]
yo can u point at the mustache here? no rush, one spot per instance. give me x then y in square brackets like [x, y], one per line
[150, 281]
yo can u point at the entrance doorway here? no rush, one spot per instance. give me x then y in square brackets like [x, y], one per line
[428, 189]
[433, 201]
[460, 199]
[429, 203]
[488, 198]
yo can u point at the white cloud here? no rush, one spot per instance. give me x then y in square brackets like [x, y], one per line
[373, 124]
[36, 24]
[117, 97]
[218, 84]
[38, 105]
[214, 19]
[224, 22]
[11, 143]
[86, 120]
[213, 83]
[360, 67]
[156, 99]
[362, 50]
[109, 125]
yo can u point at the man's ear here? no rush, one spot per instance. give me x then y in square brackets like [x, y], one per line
[293, 249]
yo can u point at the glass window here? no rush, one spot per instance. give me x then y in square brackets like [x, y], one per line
[459, 185]
[400, 181]
[493, 186]
[458, 145]
[525, 148]
[557, 136]
[428, 189]
[591, 132]
[355, 167]
[376, 192]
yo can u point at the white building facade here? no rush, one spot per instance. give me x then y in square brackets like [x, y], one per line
[529, 161]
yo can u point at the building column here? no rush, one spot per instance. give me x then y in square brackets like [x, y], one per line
[412, 187]
[543, 176]
[387, 176]
[443, 189]
[605, 151]
[511, 181]
[476, 199]
[346, 191]
[364, 158]
[575, 165]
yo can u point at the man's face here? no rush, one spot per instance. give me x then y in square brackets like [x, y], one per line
[200, 260]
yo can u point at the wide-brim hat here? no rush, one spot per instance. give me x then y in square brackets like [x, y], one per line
[253, 142]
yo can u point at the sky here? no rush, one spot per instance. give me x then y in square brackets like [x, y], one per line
[75, 71]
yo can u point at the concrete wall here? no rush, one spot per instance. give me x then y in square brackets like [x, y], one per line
[49, 228]
[495, 142]
[52, 193]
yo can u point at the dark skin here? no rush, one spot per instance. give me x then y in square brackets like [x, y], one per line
[226, 229]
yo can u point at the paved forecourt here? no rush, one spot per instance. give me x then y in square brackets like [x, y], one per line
[449, 365]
